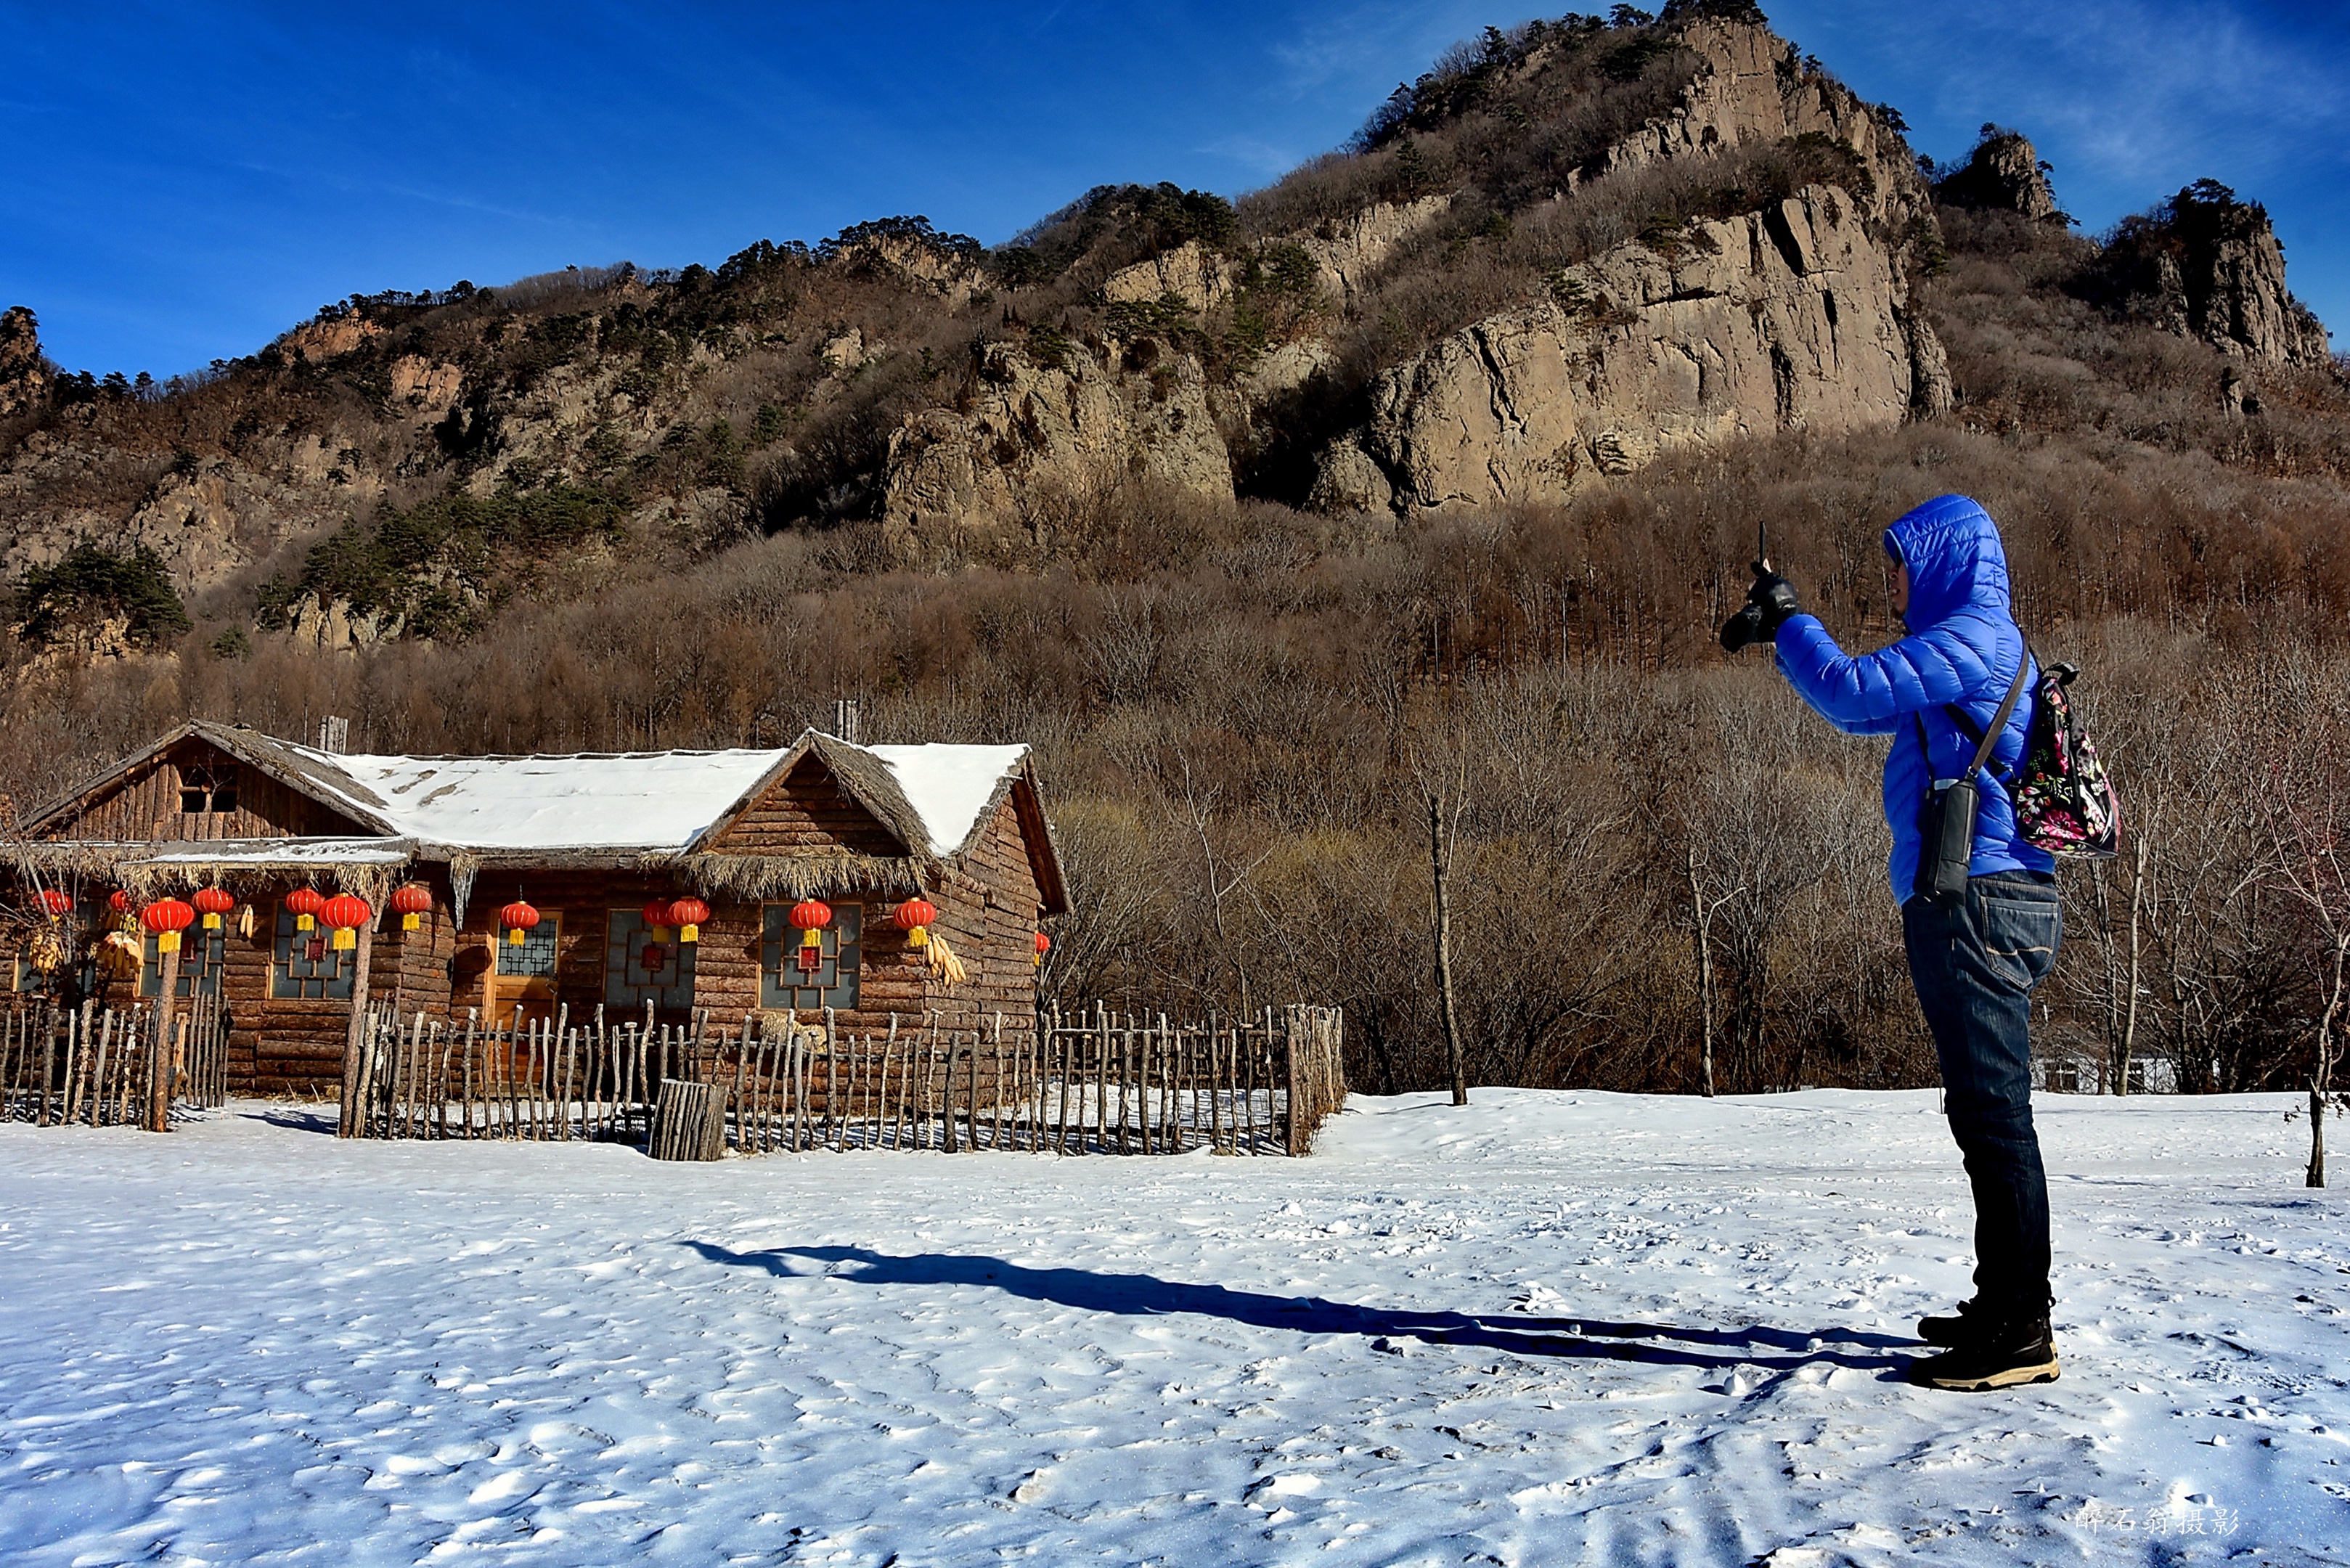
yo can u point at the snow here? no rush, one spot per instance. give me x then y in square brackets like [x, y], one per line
[283, 852]
[644, 799]
[949, 787]
[1550, 1328]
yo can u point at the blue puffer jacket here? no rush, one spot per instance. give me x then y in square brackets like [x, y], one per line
[1963, 649]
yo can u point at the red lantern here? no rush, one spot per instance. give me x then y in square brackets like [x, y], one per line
[211, 903]
[167, 918]
[410, 902]
[1043, 946]
[55, 901]
[687, 915]
[811, 916]
[655, 917]
[119, 902]
[305, 903]
[347, 914]
[517, 918]
[915, 917]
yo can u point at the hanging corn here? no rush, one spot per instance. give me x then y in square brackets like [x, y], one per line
[517, 918]
[811, 916]
[167, 918]
[305, 903]
[211, 904]
[346, 915]
[687, 915]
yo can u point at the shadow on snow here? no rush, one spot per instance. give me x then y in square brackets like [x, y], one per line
[1145, 1296]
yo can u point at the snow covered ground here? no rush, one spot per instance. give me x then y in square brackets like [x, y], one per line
[1552, 1328]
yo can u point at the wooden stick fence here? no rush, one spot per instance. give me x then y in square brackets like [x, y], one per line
[774, 1083]
[62, 1066]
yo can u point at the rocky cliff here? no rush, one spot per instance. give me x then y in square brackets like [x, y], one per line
[1556, 257]
[2205, 265]
[1784, 319]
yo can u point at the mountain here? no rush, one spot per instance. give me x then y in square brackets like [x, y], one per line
[1423, 476]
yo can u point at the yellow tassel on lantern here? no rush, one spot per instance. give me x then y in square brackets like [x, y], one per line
[346, 938]
[813, 939]
[167, 942]
[660, 933]
[689, 934]
[411, 922]
[305, 923]
[212, 922]
[514, 935]
[919, 937]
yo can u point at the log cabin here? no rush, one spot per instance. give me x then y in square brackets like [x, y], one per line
[594, 844]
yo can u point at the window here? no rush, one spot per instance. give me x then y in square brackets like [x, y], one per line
[532, 958]
[629, 983]
[203, 955]
[782, 982]
[207, 789]
[309, 968]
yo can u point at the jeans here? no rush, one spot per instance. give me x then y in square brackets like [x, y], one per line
[1975, 962]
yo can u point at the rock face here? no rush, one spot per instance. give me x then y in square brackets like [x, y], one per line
[1040, 436]
[2205, 265]
[24, 370]
[2005, 175]
[1189, 272]
[1787, 319]
[1751, 88]
[1346, 251]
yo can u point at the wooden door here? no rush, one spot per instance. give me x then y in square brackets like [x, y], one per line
[521, 975]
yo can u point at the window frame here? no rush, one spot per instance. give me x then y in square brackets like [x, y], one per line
[778, 937]
[625, 933]
[336, 986]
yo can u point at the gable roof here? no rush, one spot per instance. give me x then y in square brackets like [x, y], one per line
[934, 800]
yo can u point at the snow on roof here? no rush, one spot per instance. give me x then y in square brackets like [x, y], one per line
[640, 800]
[643, 800]
[949, 787]
[282, 852]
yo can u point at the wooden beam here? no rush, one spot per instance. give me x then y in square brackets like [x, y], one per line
[354, 1039]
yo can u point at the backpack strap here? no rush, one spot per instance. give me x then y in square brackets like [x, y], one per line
[1985, 740]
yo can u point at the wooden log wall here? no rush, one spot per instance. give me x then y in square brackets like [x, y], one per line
[145, 803]
[1103, 1084]
[92, 1066]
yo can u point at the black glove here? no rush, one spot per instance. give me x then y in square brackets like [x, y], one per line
[1774, 596]
[1770, 604]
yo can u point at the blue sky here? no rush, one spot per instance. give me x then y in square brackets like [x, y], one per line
[185, 181]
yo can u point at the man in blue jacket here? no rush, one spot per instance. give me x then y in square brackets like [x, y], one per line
[1974, 957]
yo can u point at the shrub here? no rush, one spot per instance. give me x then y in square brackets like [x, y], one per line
[91, 584]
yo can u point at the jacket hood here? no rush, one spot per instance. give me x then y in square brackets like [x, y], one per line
[1955, 559]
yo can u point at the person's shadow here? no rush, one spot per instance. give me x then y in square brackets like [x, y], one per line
[1145, 1296]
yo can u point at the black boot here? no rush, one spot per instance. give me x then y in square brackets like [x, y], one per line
[2003, 1354]
[1957, 1327]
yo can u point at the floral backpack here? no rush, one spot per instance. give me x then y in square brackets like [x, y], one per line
[2064, 802]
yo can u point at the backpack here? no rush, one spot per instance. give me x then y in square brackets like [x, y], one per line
[2065, 804]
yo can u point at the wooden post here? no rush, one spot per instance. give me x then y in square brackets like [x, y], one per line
[355, 1038]
[158, 1057]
